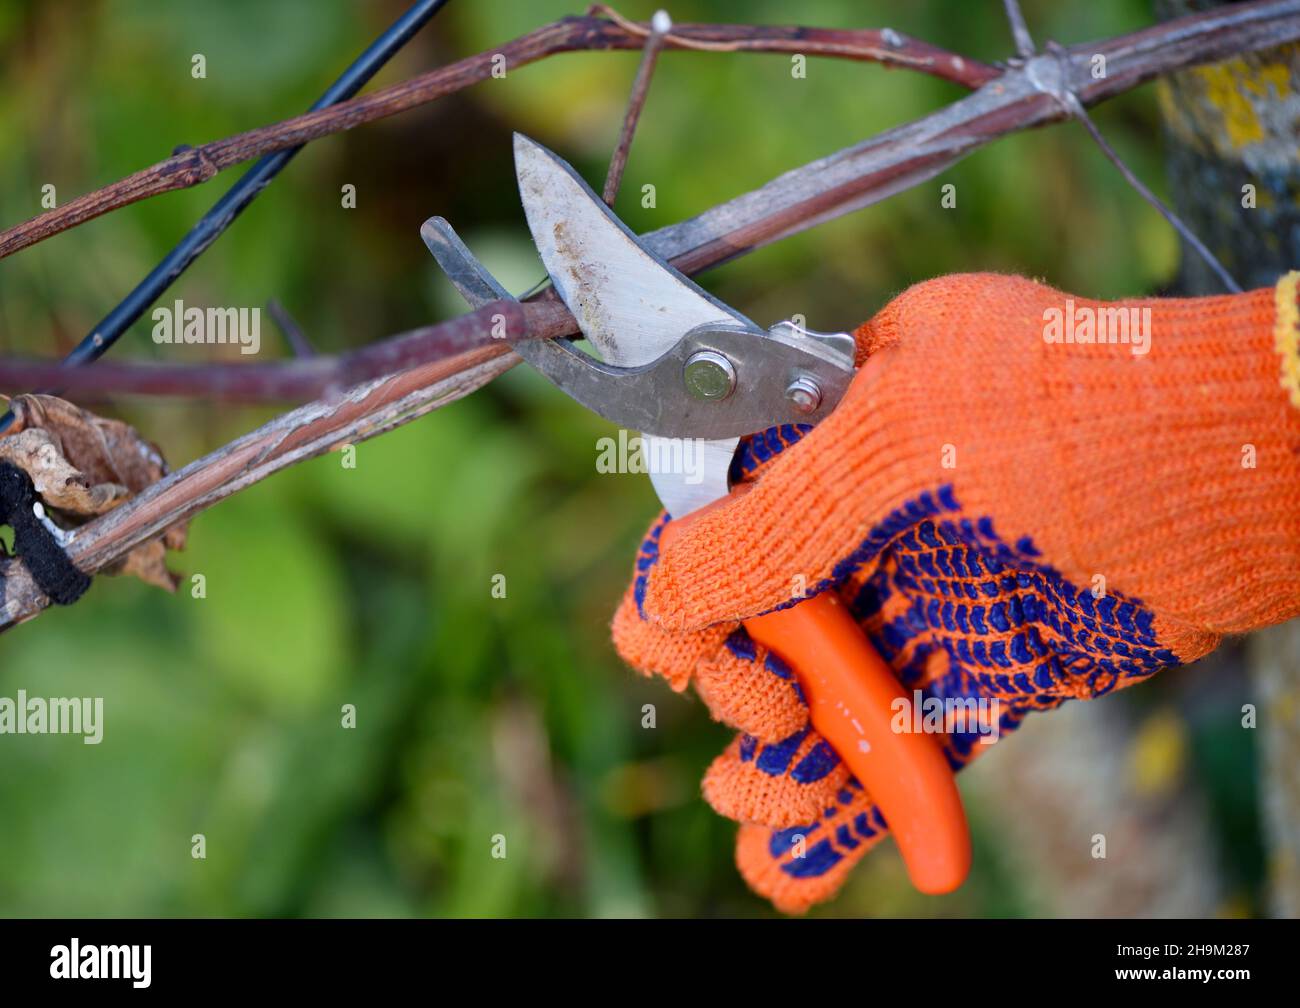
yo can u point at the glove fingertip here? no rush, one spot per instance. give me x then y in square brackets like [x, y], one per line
[704, 577]
[766, 876]
[652, 651]
[739, 789]
[800, 866]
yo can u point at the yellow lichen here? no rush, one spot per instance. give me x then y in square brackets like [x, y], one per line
[1275, 76]
[1225, 85]
[1158, 757]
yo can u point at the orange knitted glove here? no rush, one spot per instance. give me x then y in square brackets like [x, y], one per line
[1025, 497]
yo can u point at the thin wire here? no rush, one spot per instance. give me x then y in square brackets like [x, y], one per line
[1071, 102]
[1019, 30]
[1165, 211]
[241, 194]
[1060, 89]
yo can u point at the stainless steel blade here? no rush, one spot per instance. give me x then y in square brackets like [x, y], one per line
[629, 303]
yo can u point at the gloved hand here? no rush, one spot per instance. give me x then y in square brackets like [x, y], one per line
[1013, 519]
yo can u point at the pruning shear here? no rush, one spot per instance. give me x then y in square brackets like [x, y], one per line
[677, 363]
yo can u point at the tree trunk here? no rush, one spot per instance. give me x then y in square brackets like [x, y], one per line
[1231, 130]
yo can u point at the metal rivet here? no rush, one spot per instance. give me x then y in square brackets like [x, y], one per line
[804, 394]
[709, 375]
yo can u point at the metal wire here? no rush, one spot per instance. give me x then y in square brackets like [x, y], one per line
[241, 194]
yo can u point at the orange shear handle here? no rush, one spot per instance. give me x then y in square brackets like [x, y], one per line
[852, 696]
[852, 699]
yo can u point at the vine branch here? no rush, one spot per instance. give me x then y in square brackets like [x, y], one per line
[191, 166]
[851, 178]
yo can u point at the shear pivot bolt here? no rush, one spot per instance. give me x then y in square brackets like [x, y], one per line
[709, 375]
[804, 395]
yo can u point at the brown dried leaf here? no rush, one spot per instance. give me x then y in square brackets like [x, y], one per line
[83, 465]
[148, 562]
[60, 484]
[106, 451]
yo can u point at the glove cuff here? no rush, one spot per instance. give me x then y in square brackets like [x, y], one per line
[1287, 333]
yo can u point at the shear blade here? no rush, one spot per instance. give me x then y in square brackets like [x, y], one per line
[631, 305]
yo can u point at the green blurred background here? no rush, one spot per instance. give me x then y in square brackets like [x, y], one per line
[370, 586]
